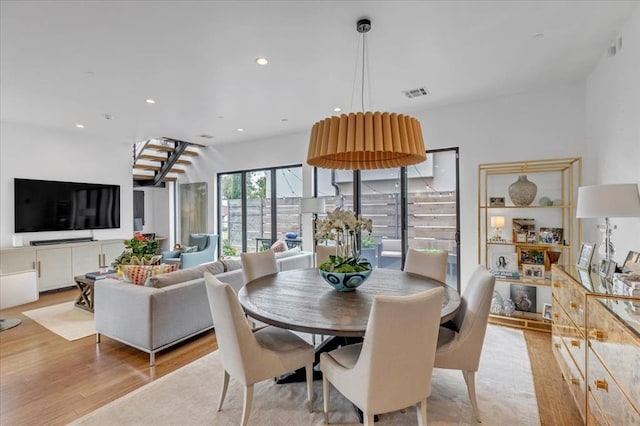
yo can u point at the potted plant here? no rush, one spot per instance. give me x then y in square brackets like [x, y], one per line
[345, 270]
[139, 250]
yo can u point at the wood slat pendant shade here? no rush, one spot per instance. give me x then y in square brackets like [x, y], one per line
[369, 140]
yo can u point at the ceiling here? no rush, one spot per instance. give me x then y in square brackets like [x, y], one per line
[69, 62]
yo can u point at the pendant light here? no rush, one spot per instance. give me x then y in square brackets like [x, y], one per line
[366, 140]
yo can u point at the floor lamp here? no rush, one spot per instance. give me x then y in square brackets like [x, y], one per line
[607, 201]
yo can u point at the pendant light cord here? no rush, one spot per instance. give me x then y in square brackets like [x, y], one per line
[364, 44]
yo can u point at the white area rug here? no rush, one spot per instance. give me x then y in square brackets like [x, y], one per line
[189, 396]
[65, 320]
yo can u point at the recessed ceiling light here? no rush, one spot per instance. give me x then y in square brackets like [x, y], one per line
[538, 36]
[150, 101]
[262, 61]
[337, 109]
[80, 126]
[240, 129]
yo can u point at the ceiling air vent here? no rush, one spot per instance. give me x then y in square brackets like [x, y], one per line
[204, 136]
[414, 93]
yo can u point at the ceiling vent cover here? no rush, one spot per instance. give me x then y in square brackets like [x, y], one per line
[415, 93]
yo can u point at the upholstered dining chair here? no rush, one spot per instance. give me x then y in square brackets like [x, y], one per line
[389, 371]
[323, 252]
[461, 350]
[256, 265]
[430, 264]
[251, 357]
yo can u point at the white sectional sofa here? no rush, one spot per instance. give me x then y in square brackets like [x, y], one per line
[170, 307]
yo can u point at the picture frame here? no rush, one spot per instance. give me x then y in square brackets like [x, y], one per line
[496, 201]
[551, 235]
[632, 257]
[532, 271]
[584, 255]
[503, 262]
[524, 297]
[547, 311]
[520, 227]
[530, 254]
[607, 268]
[585, 279]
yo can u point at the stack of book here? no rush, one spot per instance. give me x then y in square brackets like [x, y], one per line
[502, 273]
[99, 275]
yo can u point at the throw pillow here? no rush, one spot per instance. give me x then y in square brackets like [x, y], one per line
[213, 268]
[189, 249]
[279, 246]
[138, 274]
[175, 277]
[291, 252]
[199, 240]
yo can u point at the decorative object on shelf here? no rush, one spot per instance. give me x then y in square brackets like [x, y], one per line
[607, 268]
[551, 235]
[497, 223]
[508, 307]
[139, 250]
[547, 311]
[531, 271]
[545, 201]
[343, 227]
[554, 256]
[503, 262]
[497, 302]
[632, 262]
[522, 192]
[522, 228]
[366, 140]
[534, 255]
[496, 201]
[584, 257]
[524, 297]
[607, 201]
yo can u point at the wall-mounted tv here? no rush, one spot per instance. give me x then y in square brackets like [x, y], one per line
[42, 205]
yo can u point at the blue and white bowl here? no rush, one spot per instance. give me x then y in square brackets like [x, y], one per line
[345, 281]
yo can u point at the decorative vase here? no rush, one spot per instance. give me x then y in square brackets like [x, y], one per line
[522, 191]
[345, 281]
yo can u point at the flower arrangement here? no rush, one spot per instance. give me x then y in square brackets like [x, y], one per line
[139, 250]
[342, 226]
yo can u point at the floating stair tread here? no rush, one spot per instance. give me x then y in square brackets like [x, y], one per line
[150, 177]
[155, 168]
[151, 157]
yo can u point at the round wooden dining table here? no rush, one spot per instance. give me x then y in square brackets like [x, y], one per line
[300, 300]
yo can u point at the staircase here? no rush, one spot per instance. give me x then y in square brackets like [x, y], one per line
[157, 161]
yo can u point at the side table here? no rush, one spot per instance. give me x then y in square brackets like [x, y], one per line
[85, 298]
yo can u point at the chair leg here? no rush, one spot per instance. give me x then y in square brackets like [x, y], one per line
[470, 379]
[246, 406]
[223, 389]
[421, 411]
[325, 398]
[368, 419]
[309, 373]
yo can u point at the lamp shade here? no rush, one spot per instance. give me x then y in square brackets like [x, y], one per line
[312, 205]
[369, 140]
[497, 221]
[616, 200]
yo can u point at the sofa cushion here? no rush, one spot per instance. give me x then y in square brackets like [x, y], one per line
[279, 246]
[214, 268]
[138, 274]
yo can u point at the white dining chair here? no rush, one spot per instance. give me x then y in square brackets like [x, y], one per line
[251, 357]
[256, 265]
[461, 350]
[323, 252]
[430, 264]
[390, 370]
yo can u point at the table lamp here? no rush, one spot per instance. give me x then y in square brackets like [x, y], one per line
[607, 201]
[497, 223]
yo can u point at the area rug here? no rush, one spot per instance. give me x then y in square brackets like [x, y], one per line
[189, 396]
[65, 320]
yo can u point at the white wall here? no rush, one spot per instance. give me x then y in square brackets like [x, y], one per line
[613, 130]
[36, 153]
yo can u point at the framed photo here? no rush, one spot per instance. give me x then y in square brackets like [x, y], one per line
[551, 235]
[533, 271]
[504, 262]
[585, 279]
[632, 258]
[524, 297]
[607, 268]
[520, 227]
[584, 256]
[534, 255]
[547, 311]
[496, 201]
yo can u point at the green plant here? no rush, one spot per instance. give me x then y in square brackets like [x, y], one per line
[139, 249]
[368, 241]
[228, 249]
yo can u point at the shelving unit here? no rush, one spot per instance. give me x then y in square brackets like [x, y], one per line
[557, 180]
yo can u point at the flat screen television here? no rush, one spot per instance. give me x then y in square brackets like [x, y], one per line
[43, 205]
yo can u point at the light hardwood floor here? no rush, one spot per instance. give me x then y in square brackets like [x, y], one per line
[45, 379]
